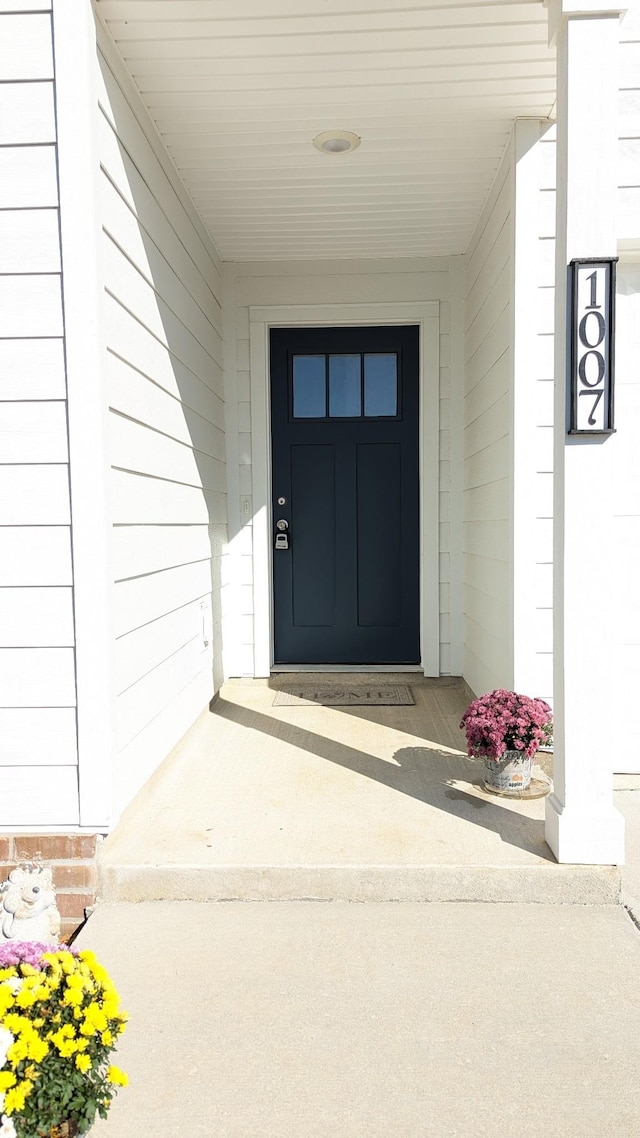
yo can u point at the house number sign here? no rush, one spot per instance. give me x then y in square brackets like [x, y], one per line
[592, 329]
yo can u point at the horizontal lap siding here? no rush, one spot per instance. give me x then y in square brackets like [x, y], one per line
[626, 461]
[38, 746]
[345, 282]
[625, 530]
[166, 437]
[487, 441]
[543, 493]
[629, 127]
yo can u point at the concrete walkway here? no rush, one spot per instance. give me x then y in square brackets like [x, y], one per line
[306, 1020]
[273, 802]
[293, 1019]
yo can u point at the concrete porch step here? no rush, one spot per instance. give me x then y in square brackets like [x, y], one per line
[355, 803]
[542, 884]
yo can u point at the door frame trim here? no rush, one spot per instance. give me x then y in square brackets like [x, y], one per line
[262, 318]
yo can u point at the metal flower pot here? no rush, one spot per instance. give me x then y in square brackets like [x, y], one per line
[509, 774]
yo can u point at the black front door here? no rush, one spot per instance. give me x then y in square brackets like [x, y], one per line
[344, 435]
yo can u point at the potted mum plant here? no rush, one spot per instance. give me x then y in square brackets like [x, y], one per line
[59, 1021]
[507, 729]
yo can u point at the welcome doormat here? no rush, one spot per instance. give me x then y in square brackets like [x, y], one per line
[345, 695]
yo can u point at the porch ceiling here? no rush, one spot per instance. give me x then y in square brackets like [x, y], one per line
[239, 88]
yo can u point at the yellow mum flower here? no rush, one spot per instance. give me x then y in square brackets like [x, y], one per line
[83, 1063]
[7, 1079]
[107, 1038]
[16, 1097]
[73, 997]
[37, 1049]
[18, 1051]
[68, 962]
[100, 974]
[6, 999]
[63, 1040]
[117, 1077]
[27, 1045]
[15, 1023]
[95, 1020]
[26, 998]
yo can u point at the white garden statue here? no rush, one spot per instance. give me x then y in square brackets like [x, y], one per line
[28, 906]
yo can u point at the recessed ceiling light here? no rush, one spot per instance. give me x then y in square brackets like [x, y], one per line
[336, 141]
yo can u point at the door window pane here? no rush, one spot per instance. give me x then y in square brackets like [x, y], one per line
[309, 387]
[345, 400]
[380, 383]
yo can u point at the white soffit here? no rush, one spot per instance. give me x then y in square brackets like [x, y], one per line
[238, 90]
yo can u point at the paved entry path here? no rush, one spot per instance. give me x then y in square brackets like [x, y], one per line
[342, 1020]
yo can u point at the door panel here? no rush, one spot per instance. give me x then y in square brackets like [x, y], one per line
[313, 520]
[344, 439]
[379, 529]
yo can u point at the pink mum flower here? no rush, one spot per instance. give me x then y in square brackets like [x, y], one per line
[506, 721]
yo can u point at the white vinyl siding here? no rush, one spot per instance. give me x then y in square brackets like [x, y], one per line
[487, 446]
[542, 522]
[38, 750]
[166, 436]
[629, 127]
[622, 592]
[316, 283]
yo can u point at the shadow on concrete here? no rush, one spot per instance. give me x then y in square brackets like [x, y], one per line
[447, 698]
[439, 777]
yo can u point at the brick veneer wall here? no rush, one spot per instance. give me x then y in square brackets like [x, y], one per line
[72, 858]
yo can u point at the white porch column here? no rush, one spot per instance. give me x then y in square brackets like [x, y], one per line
[581, 823]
